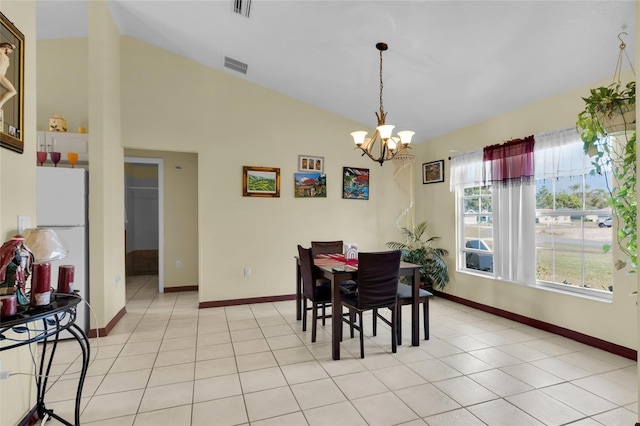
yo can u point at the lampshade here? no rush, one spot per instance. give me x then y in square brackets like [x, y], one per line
[44, 244]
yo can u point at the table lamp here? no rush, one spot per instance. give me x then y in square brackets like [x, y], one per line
[45, 246]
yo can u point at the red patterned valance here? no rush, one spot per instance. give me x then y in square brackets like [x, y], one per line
[510, 163]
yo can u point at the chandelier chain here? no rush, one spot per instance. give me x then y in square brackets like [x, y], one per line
[381, 85]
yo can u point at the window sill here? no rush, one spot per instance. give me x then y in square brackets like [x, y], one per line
[585, 293]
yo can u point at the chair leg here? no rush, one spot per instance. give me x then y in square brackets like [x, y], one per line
[324, 313]
[394, 325]
[361, 335]
[375, 321]
[352, 319]
[304, 314]
[399, 324]
[314, 317]
[425, 310]
[334, 316]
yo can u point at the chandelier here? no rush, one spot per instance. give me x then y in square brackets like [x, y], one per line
[387, 145]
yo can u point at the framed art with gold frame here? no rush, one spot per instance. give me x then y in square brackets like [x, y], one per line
[260, 181]
[11, 86]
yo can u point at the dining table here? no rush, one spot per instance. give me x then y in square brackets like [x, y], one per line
[336, 268]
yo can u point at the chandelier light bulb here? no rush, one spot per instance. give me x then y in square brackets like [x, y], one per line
[358, 137]
[405, 136]
[385, 131]
[392, 143]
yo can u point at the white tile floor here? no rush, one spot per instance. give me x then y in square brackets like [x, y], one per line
[169, 363]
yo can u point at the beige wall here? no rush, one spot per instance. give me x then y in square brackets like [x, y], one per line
[18, 197]
[614, 322]
[231, 123]
[59, 90]
[180, 214]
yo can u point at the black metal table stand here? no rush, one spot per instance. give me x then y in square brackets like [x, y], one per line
[60, 315]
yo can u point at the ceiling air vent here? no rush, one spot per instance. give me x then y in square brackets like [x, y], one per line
[235, 65]
[242, 7]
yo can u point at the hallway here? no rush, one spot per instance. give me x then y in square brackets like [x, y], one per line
[169, 363]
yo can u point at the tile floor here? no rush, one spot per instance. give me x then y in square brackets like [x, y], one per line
[169, 363]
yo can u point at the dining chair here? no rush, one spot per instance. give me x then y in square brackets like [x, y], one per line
[318, 295]
[377, 288]
[405, 297]
[331, 247]
[326, 247]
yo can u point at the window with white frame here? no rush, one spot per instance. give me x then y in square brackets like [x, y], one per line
[553, 230]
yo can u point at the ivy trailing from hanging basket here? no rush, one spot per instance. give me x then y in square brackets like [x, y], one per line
[607, 129]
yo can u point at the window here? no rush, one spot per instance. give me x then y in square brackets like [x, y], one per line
[572, 227]
[562, 221]
[477, 250]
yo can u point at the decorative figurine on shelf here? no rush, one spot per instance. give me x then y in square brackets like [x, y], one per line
[16, 261]
[57, 123]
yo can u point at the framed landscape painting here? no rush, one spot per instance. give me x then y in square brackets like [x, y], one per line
[433, 172]
[260, 181]
[310, 185]
[11, 86]
[355, 183]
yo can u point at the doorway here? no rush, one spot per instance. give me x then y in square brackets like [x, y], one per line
[144, 217]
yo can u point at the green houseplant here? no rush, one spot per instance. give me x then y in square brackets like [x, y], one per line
[611, 110]
[418, 249]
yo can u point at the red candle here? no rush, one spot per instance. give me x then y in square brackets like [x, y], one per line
[9, 305]
[41, 284]
[65, 278]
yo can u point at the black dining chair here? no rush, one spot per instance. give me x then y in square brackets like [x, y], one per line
[377, 288]
[330, 247]
[318, 295]
[405, 297]
[326, 247]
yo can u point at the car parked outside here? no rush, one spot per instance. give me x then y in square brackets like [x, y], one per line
[605, 222]
[479, 261]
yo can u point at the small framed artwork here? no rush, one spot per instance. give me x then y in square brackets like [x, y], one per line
[310, 164]
[310, 185]
[433, 172]
[11, 85]
[355, 183]
[260, 181]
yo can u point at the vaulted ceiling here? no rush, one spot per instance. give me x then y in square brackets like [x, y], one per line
[449, 64]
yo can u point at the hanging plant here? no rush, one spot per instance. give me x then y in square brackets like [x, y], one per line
[607, 128]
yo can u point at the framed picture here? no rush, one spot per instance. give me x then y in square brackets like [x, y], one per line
[310, 185]
[310, 164]
[355, 183]
[11, 86]
[260, 181]
[433, 172]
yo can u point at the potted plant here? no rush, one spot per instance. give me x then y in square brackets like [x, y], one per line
[607, 110]
[611, 110]
[419, 250]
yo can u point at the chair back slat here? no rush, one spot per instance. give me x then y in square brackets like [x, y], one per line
[378, 278]
[326, 247]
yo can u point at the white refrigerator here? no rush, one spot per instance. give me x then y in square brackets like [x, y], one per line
[62, 198]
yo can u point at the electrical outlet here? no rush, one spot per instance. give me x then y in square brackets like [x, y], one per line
[247, 272]
[178, 264]
[24, 222]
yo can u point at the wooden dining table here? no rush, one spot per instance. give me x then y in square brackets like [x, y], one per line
[340, 270]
